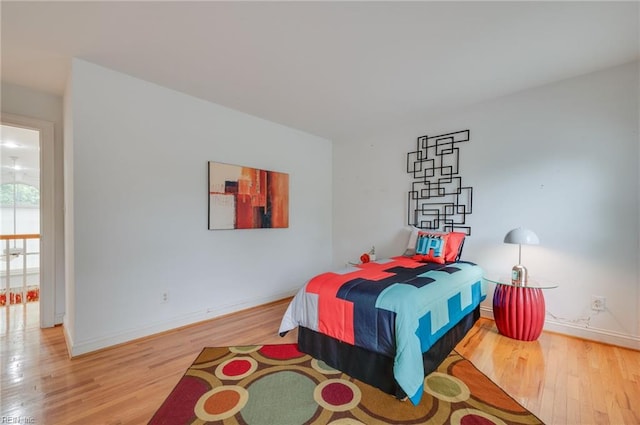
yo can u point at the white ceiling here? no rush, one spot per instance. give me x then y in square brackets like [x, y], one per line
[340, 70]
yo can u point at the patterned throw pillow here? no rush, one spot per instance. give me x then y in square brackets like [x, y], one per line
[431, 247]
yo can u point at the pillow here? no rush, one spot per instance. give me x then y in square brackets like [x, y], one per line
[431, 247]
[413, 239]
[454, 246]
[453, 251]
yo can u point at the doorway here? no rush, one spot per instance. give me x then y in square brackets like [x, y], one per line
[27, 288]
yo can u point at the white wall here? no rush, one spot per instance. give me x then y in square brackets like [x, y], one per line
[30, 103]
[139, 157]
[69, 237]
[560, 159]
[579, 182]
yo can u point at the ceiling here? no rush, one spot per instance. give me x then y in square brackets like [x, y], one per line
[340, 70]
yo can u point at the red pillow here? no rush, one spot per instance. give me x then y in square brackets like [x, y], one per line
[431, 247]
[454, 246]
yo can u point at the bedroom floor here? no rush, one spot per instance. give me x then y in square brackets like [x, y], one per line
[562, 380]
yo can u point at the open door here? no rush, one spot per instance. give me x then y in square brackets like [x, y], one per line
[27, 218]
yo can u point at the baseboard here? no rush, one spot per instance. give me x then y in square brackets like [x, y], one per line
[67, 338]
[593, 334]
[486, 312]
[88, 346]
[95, 344]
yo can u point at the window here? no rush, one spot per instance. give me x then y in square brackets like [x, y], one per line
[25, 195]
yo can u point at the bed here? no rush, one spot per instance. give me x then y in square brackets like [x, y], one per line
[390, 322]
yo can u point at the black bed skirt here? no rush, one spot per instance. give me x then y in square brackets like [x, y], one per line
[373, 368]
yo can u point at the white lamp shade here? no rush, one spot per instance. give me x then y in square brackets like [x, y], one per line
[522, 237]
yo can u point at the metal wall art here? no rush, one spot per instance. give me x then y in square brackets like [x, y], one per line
[438, 200]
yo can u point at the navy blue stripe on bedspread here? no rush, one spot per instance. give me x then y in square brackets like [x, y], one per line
[375, 328]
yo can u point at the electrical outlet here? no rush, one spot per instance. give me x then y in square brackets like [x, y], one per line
[165, 297]
[598, 303]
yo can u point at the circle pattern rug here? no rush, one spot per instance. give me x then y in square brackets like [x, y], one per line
[279, 385]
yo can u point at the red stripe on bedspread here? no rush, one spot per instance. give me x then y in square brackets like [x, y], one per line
[335, 316]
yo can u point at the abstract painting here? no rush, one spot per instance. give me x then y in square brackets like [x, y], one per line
[247, 198]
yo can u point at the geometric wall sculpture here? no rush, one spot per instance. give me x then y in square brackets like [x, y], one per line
[247, 198]
[438, 200]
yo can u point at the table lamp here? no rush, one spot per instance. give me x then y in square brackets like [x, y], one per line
[521, 237]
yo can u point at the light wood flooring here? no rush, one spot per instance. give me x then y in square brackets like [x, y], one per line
[562, 380]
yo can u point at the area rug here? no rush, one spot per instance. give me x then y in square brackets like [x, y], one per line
[278, 385]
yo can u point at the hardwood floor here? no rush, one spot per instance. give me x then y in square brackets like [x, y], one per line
[562, 380]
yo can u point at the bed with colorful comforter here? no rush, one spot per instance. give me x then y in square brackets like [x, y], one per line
[389, 314]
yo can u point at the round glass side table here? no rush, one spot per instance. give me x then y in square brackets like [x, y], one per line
[518, 310]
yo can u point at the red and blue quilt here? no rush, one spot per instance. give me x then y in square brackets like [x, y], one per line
[396, 307]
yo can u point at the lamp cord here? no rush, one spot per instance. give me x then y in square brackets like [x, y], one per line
[586, 321]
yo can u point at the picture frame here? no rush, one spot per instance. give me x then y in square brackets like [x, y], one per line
[243, 197]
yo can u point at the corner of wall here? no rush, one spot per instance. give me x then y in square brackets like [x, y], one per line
[69, 316]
